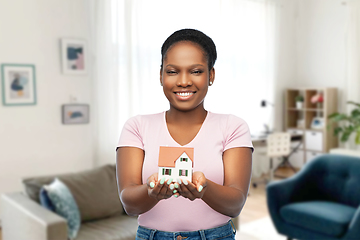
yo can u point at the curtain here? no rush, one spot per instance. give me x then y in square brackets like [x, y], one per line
[128, 35]
[352, 90]
[353, 52]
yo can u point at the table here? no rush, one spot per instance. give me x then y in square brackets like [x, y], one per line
[261, 163]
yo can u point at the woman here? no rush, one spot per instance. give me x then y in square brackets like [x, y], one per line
[200, 209]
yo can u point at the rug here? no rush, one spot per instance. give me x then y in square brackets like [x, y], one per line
[262, 229]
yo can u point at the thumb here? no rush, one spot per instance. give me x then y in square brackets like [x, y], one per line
[200, 183]
[152, 180]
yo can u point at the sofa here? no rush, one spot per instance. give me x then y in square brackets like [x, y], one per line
[95, 192]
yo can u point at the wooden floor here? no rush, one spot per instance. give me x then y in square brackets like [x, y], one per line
[255, 206]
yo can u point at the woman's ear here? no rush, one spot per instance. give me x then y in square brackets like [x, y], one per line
[212, 76]
[161, 77]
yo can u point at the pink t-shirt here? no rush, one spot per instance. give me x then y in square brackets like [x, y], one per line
[218, 133]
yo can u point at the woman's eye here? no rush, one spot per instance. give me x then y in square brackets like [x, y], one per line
[171, 72]
[197, 72]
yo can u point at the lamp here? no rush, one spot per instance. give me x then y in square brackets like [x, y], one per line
[264, 103]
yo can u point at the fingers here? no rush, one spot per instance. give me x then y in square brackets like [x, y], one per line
[199, 180]
[163, 189]
[152, 180]
[175, 189]
[190, 190]
[166, 192]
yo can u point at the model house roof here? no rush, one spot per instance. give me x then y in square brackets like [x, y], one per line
[169, 155]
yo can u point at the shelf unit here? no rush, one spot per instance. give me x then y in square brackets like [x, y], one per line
[317, 138]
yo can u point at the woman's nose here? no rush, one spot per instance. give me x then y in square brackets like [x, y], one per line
[184, 80]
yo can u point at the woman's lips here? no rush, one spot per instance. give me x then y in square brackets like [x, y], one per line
[184, 95]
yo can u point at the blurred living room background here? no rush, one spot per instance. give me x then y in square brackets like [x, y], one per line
[269, 51]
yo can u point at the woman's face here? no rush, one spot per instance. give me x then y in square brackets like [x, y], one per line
[185, 76]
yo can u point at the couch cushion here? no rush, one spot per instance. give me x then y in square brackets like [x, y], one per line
[120, 227]
[328, 218]
[95, 191]
[65, 205]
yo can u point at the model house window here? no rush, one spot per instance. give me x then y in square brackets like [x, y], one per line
[183, 172]
[183, 159]
[166, 171]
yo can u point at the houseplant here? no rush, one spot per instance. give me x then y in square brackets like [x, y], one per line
[299, 101]
[348, 124]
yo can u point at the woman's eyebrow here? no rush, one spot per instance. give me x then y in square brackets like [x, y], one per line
[194, 65]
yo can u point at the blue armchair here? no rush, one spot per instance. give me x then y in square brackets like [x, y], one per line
[322, 201]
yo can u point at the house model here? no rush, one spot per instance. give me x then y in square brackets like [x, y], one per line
[176, 162]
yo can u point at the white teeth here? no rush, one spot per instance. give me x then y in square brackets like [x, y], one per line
[185, 94]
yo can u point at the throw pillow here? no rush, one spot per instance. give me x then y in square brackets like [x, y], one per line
[45, 200]
[64, 205]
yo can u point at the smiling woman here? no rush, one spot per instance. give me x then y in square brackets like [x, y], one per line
[129, 34]
[221, 143]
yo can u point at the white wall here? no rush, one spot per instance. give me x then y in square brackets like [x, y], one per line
[312, 48]
[33, 140]
[286, 64]
[321, 27]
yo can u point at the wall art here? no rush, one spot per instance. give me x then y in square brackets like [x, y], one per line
[18, 84]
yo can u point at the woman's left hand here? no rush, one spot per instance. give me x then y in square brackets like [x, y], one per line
[194, 189]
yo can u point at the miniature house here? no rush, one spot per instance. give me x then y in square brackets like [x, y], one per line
[176, 162]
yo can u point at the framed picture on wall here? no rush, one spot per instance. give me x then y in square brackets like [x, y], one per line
[18, 84]
[75, 113]
[74, 54]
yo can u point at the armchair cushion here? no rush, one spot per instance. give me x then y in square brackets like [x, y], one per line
[327, 218]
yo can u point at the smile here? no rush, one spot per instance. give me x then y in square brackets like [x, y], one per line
[184, 94]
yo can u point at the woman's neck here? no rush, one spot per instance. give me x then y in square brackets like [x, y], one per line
[195, 116]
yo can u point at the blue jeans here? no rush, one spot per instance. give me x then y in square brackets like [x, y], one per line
[223, 232]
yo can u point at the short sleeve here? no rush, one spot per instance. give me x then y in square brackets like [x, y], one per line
[237, 133]
[131, 134]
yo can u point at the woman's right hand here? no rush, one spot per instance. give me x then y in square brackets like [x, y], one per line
[159, 189]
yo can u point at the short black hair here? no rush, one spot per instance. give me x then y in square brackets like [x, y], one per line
[195, 36]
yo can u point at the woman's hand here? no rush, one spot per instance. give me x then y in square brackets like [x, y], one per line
[160, 189]
[194, 189]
